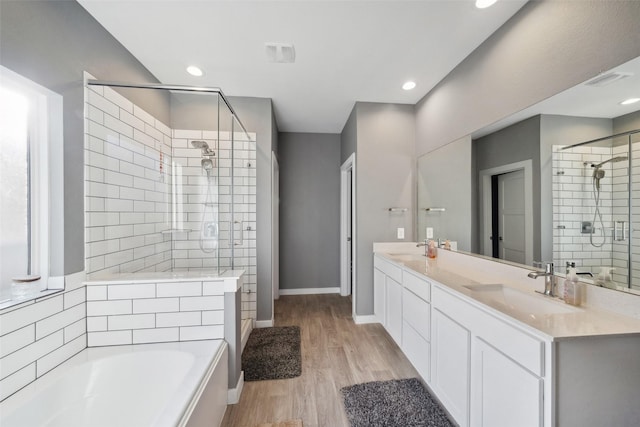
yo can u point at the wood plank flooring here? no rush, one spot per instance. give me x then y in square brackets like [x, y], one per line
[335, 353]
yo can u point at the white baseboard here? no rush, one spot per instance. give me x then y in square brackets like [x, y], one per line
[369, 318]
[310, 291]
[264, 323]
[246, 328]
[233, 394]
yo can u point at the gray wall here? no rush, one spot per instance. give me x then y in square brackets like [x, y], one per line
[257, 116]
[349, 137]
[52, 43]
[309, 210]
[627, 123]
[385, 177]
[445, 176]
[545, 48]
[515, 143]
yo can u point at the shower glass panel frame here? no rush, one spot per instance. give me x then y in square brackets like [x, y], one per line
[209, 193]
[596, 203]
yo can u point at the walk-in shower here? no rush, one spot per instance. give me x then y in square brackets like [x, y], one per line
[595, 203]
[168, 187]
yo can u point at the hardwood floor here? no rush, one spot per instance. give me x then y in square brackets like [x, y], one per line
[335, 353]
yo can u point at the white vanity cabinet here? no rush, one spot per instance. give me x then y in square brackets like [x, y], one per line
[416, 322]
[388, 296]
[486, 371]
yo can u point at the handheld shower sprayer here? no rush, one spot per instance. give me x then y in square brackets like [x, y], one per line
[598, 174]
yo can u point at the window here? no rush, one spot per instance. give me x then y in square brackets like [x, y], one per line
[28, 114]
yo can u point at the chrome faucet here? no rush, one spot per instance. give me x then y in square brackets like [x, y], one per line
[549, 279]
[425, 244]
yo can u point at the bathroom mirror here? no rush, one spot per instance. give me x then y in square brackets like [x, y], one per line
[526, 195]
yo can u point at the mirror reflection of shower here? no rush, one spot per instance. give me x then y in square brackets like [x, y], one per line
[598, 174]
[209, 230]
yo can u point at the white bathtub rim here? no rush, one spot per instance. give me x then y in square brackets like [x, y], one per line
[206, 353]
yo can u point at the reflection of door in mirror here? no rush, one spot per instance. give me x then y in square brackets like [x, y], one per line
[511, 216]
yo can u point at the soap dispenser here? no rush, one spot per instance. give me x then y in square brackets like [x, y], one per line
[572, 288]
[432, 250]
[604, 278]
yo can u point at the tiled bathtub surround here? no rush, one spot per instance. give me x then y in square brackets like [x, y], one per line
[135, 311]
[38, 335]
[573, 203]
[146, 192]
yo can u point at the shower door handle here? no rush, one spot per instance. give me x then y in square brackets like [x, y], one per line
[241, 242]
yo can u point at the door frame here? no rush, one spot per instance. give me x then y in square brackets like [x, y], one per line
[348, 166]
[275, 230]
[486, 209]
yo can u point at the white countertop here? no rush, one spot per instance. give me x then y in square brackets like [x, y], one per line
[455, 271]
[166, 276]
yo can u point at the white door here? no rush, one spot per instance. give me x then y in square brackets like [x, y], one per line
[511, 217]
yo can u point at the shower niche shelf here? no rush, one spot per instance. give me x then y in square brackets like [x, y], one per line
[177, 230]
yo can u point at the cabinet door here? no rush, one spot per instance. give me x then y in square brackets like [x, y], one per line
[379, 295]
[417, 350]
[504, 393]
[394, 309]
[450, 363]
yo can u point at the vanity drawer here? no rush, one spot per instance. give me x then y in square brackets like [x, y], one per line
[417, 285]
[417, 313]
[388, 268]
[515, 343]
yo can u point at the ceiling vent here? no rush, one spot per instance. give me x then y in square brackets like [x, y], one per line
[608, 78]
[282, 53]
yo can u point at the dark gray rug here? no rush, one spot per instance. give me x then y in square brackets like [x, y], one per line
[272, 354]
[393, 403]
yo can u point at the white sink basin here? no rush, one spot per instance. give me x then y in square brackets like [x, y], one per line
[408, 257]
[517, 300]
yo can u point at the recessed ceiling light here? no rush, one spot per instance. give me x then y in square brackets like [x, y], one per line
[482, 4]
[409, 85]
[194, 71]
[630, 101]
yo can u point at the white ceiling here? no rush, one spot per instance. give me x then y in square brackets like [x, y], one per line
[346, 51]
[583, 100]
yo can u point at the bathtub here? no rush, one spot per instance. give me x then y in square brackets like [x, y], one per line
[169, 384]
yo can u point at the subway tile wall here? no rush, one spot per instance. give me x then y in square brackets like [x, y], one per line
[574, 204]
[38, 335]
[127, 186]
[135, 313]
[148, 199]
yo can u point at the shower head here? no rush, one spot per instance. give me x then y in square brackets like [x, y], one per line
[613, 160]
[598, 172]
[202, 145]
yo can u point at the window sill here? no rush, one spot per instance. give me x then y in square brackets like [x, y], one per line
[28, 299]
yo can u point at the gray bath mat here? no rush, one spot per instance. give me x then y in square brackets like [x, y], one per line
[393, 403]
[272, 354]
